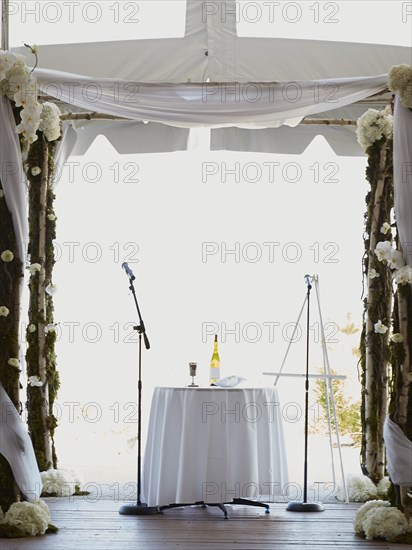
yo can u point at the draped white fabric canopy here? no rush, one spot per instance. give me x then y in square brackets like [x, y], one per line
[212, 51]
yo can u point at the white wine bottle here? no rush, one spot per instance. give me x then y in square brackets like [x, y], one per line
[215, 364]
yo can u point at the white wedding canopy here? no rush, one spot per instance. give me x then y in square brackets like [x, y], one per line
[211, 77]
[212, 51]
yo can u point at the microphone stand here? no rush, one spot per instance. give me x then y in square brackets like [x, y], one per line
[139, 508]
[306, 506]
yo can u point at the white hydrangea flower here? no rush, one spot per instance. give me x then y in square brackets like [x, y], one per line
[363, 510]
[380, 328]
[360, 488]
[32, 518]
[50, 121]
[397, 338]
[4, 311]
[13, 362]
[384, 485]
[372, 126]
[58, 482]
[384, 522]
[400, 80]
[404, 275]
[35, 381]
[373, 274]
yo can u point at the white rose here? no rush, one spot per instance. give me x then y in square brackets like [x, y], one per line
[380, 328]
[397, 337]
[35, 171]
[385, 227]
[35, 381]
[32, 328]
[51, 289]
[13, 362]
[373, 274]
[7, 256]
[4, 311]
[51, 217]
[34, 268]
[51, 327]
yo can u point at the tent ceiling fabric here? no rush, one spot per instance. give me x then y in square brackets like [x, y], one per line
[210, 50]
[229, 57]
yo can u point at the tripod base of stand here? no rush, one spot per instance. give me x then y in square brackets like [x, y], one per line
[304, 507]
[220, 505]
[138, 510]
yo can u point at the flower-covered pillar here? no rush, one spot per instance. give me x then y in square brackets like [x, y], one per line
[374, 134]
[43, 379]
[400, 408]
[27, 120]
[13, 228]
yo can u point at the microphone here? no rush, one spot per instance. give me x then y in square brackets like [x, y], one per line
[129, 272]
[308, 281]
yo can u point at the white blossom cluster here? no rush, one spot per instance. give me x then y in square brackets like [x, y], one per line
[32, 518]
[378, 519]
[385, 252]
[400, 80]
[360, 488]
[50, 121]
[372, 126]
[61, 483]
[20, 85]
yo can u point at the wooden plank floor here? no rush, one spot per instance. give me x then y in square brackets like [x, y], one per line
[86, 525]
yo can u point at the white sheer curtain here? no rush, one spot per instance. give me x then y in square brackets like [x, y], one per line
[243, 104]
[402, 176]
[17, 448]
[12, 176]
[398, 454]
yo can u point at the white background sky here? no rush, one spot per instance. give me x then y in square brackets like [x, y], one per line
[158, 218]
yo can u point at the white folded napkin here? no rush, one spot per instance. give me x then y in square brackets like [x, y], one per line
[229, 381]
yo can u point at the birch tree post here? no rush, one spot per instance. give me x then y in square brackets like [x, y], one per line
[374, 131]
[40, 356]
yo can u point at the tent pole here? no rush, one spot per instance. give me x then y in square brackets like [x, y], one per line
[5, 24]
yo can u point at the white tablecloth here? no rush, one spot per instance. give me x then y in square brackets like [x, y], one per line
[213, 445]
